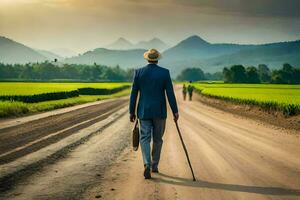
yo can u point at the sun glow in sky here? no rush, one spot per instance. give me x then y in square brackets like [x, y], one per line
[10, 1]
[82, 25]
[15, 2]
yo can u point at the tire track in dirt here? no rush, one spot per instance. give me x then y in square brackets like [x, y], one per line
[16, 136]
[52, 137]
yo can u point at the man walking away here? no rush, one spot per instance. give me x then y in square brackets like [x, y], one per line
[153, 83]
[184, 92]
[190, 91]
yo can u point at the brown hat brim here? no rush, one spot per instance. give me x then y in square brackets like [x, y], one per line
[146, 56]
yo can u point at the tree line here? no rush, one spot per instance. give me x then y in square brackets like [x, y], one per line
[49, 71]
[262, 74]
[240, 74]
[196, 74]
[234, 74]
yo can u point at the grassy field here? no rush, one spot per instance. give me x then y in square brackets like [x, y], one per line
[284, 98]
[16, 108]
[25, 88]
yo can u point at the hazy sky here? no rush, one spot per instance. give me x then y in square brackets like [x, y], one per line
[86, 24]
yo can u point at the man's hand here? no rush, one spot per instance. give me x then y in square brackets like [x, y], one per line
[132, 117]
[176, 116]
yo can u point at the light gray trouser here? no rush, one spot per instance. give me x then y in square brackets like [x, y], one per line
[156, 128]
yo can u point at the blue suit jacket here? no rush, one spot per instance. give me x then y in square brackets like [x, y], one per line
[153, 83]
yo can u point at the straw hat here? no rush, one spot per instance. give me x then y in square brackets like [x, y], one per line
[152, 55]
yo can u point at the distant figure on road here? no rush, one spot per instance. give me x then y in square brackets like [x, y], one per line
[184, 92]
[190, 91]
[152, 82]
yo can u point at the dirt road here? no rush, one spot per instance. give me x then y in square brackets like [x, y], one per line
[233, 158]
[17, 141]
[34, 144]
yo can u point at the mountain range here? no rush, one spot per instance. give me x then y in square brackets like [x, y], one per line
[191, 52]
[124, 58]
[196, 52]
[123, 44]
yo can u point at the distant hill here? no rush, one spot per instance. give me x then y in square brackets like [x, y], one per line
[125, 58]
[13, 52]
[153, 43]
[195, 47]
[49, 55]
[121, 52]
[123, 44]
[120, 44]
[274, 55]
[196, 52]
[63, 52]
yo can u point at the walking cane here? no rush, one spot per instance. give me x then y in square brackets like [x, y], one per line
[185, 150]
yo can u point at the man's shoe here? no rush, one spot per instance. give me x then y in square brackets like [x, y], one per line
[154, 169]
[147, 173]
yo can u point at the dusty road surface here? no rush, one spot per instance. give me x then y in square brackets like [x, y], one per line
[233, 157]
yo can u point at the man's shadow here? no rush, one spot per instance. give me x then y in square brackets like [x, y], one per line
[223, 186]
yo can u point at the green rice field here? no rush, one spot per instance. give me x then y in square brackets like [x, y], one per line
[284, 98]
[27, 88]
[59, 93]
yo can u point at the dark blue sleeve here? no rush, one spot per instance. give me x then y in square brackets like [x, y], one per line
[134, 94]
[170, 94]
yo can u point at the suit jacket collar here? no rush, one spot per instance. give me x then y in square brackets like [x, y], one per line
[152, 65]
